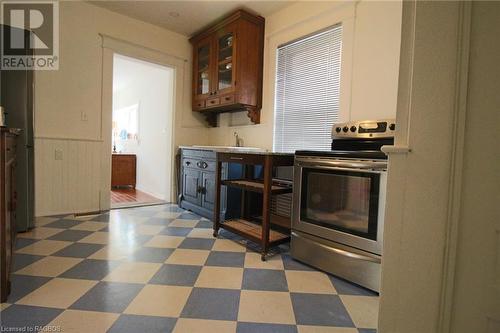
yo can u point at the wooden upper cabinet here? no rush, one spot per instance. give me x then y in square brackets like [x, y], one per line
[202, 69]
[227, 67]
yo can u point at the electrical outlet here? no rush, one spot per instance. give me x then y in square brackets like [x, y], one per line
[84, 116]
[58, 156]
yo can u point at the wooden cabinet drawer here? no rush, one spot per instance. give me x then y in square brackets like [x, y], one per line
[227, 99]
[197, 105]
[213, 102]
[253, 159]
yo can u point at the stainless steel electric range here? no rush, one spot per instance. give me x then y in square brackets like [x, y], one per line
[339, 202]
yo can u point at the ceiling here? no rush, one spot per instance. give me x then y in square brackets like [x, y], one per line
[191, 15]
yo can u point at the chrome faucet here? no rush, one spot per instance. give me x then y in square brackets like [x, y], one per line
[239, 141]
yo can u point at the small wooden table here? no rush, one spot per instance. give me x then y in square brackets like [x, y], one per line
[123, 170]
[252, 230]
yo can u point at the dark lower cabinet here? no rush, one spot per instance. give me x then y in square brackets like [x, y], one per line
[8, 199]
[208, 191]
[198, 182]
[191, 186]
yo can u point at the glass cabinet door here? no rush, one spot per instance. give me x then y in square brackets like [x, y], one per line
[225, 63]
[203, 69]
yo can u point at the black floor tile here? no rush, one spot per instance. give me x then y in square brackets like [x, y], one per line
[265, 328]
[90, 269]
[226, 259]
[188, 216]
[197, 244]
[324, 310]
[217, 304]
[347, 288]
[22, 242]
[108, 297]
[176, 231]
[22, 285]
[264, 279]
[205, 224]
[79, 250]
[135, 323]
[70, 235]
[24, 318]
[20, 260]
[176, 275]
[63, 224]
[151, 254]
[291, 264]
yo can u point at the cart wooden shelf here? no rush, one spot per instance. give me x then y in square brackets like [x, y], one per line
[253, 231]
[269, 229]
[256, 185]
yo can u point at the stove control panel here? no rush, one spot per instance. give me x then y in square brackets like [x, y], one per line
[383, 128]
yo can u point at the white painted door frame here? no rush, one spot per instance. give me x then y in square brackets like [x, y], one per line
[110, 46]
[425, 169]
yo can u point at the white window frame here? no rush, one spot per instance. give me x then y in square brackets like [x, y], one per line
[344, 15]
[306, 116]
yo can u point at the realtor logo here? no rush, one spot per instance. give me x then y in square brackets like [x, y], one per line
[29, 35]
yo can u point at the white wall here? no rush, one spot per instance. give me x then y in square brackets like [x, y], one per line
[370, 65]
[65, 186]
[149, 86]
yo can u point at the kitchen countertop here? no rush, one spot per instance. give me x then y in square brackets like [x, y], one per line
[236, 150]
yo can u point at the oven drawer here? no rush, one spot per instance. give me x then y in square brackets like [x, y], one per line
[349, 263]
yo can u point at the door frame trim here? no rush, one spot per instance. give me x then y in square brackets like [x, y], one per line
[111, 45]
[455, 188]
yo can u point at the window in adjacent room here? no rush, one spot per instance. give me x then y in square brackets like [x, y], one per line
[307, 91]
[126, 123]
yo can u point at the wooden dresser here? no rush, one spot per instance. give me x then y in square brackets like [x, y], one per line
[123, 170]
[7, 205]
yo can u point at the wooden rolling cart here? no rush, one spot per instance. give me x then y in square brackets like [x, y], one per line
[269, 229]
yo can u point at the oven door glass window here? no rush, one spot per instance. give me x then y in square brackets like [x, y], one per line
[341, 200]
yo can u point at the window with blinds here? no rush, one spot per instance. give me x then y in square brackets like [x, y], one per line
[307, 91]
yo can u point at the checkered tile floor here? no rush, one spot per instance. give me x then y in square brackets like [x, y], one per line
[159, 269]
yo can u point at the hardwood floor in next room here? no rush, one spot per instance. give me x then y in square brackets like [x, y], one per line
[124, 197]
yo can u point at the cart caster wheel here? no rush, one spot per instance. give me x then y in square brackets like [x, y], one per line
[263, 257]
[215, 234]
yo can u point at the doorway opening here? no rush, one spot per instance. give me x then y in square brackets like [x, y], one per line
[141, 132]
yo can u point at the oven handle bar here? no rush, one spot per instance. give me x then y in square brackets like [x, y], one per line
[342, 252]
[365, 165]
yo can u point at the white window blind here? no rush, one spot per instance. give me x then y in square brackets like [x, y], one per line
[307, 91]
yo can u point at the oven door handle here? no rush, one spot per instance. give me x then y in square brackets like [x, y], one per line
[343, 252]
[364, 165]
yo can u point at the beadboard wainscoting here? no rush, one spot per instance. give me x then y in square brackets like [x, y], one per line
[67, 175]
